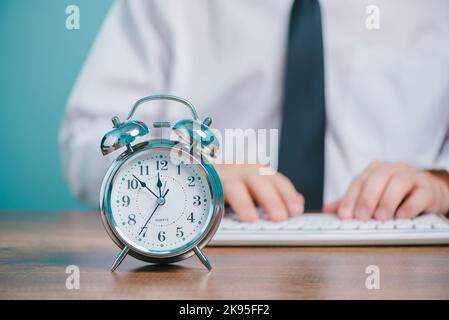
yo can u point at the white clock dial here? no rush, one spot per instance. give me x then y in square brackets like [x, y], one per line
[160, 202]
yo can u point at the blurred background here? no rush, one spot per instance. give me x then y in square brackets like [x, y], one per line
[40, 60]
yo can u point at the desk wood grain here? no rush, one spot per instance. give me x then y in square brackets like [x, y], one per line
[36, 248]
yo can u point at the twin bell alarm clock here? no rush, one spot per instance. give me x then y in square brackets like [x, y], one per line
[161, 200]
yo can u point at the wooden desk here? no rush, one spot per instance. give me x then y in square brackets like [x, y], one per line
[37, 247]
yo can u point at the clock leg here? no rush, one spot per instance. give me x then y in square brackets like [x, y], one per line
[119, 258]
[203, 258]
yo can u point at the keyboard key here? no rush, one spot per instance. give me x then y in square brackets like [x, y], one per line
[437, 221]
[251, 225]
[368, 225]
[291, 226]
[422, 225]
[330, 225]
[293, 223]
[440, 225]
[349, 224]
[404, 224]
[271, 226]
[386, 225]
[433, 219]
[232, 224]
[312, 224]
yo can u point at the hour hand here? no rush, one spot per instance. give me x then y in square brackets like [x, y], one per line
[144, 185]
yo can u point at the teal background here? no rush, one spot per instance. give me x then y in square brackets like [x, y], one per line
[39, 62]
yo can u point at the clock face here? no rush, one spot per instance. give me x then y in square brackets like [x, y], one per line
[160, 201]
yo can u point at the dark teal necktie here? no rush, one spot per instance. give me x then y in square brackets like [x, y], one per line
[301, 155]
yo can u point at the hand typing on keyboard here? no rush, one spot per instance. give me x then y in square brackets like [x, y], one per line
[244, 188]
[383, 190]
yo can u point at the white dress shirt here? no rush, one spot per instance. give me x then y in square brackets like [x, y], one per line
[387, 89]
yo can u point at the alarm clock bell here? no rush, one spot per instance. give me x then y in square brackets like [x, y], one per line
[123, 134]
[198, 135]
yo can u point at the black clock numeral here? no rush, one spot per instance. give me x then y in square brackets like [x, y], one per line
[179, 232]
[126, 200]
[179, 169]
[196, 200]
[133, 184]
[191, 218]
[143, 231]
[161, 236]
[161, 165]
[191, 180]
[132, 219]
[144, 170]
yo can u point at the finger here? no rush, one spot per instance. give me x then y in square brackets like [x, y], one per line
[293, 200]
[331, 207]
[238, 197]
[397, 189]
[371, 192]
[418, 201]
[346, 209]
[267, 196]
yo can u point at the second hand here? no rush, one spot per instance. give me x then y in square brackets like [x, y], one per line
[158, 205]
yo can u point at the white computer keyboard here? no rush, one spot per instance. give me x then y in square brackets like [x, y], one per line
[314, 229]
